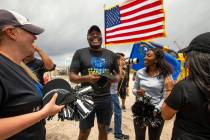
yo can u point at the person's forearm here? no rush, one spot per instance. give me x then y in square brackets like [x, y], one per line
[78, 79]
[13, 125]
[169, 84]
[167, 112]
[48, 63]
[167, 93]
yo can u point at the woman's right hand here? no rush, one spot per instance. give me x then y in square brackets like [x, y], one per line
[51, 108]
[140, 92]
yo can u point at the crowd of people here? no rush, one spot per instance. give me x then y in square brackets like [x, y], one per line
[22, 115]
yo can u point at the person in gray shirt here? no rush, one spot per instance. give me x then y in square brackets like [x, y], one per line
[153, 81]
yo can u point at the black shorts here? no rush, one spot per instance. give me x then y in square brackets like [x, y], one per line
[103, 112]
[122, 86]
[122, 94]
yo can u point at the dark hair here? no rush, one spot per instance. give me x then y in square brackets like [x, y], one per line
[163, 67]
[119, 55]
[199, 69]
[94, 28]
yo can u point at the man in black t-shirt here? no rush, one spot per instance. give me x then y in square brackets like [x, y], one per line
[92, 62]
[39, 67]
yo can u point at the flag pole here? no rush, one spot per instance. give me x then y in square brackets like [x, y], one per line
[104, 26]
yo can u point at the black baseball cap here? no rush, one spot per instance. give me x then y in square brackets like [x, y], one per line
[200, 43]
[94, 28]
[15, 19]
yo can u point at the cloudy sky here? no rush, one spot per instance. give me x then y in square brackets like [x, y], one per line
[66, 23]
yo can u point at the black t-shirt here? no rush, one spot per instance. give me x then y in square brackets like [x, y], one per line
[37, 66]
[87, 62]
[124, 82]
[122, 85]
[192, 119]
[19, 94]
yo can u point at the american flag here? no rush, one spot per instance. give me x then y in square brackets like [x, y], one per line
[134, 21]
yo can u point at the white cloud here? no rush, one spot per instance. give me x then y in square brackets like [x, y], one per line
[67, 21]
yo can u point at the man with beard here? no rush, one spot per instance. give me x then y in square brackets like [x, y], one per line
[87, 66]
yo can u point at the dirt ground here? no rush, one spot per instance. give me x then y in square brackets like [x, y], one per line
[69, 130]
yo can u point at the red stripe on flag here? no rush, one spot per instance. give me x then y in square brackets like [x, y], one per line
[153, 13]
[136, 39]
[132, 4]
[151, 5]
[136, 32]
[137, 25]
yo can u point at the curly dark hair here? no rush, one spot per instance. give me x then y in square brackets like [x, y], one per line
[119, 55]
[163, 67]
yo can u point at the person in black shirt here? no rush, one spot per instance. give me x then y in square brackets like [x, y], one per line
[21, 112]
[117, 111]
[39, 67]
[190, 98]
[124, 82]
[92, 62]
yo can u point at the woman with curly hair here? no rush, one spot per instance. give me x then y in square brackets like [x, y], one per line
[155, 81]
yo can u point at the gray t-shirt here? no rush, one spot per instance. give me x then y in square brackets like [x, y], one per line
[153, 86]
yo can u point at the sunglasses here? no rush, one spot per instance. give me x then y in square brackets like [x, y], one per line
[94, 36]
